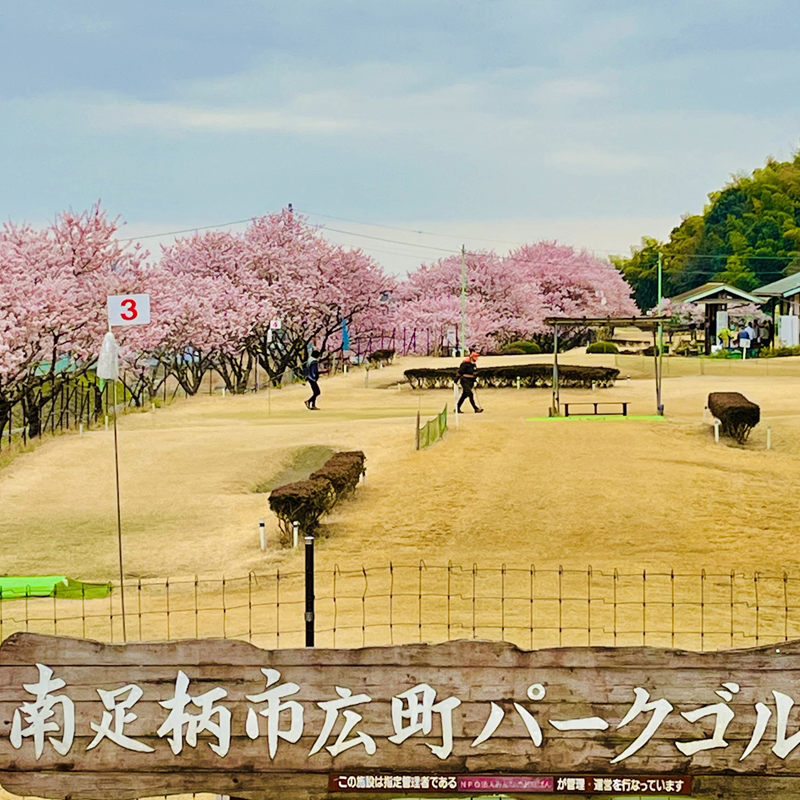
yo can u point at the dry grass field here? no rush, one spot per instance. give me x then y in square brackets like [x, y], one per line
[661, 533]
[500, 489]
[542, 532]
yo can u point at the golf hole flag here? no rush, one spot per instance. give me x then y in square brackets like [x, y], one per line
[108, 361]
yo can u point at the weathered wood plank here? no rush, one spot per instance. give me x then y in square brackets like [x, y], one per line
[575, 683]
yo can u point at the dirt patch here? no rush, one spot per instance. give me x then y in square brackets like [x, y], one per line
[301, 464]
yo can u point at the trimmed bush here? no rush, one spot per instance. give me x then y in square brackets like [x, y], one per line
[343, 470]
[778, 352]
[302, 501]
[306, 501]
[602, 347]
[380, 357]
[519, 348]
[531, 376]
[737, 415]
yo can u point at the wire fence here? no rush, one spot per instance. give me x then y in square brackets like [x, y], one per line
[681, 366]
[394, 604]
[432, 430]
[403, 604]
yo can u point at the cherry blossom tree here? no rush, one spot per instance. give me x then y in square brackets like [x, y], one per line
[497, 308]
[209, 311]
[680, 313]
[232, 286]
[572, 283]
[509, 297]
[311, 286]
[198, 323]
[53, 288]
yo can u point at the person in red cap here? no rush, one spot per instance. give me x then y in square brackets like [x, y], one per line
[466, 376]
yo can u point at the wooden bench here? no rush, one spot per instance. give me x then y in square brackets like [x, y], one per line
[623, 413]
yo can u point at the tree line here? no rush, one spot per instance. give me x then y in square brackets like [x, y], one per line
[747, 236]
[230, 301]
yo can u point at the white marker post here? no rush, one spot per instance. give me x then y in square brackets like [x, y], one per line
[124, 310]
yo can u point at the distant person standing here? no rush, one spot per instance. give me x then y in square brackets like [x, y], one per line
[312, 378]
[764, 333]
[725, 337]
[743, 339]
[467, 375]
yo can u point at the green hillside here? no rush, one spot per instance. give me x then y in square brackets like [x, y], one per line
[748, 235]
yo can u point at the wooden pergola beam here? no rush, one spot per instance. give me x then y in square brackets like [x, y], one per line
[651, 324]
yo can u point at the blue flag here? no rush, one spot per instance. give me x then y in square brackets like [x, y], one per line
[345, 336]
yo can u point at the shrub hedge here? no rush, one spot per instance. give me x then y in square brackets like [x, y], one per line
[530, 376]
[520, 347]
[778, 352]
[380, 357]
[302, 501]
[343, 470]
[602, 347]
[306, 501]
[737, 415]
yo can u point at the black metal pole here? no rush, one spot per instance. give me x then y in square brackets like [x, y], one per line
[309, 590]
[119, 520]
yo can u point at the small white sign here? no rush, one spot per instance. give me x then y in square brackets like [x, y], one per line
[274, 324]
[129, 309]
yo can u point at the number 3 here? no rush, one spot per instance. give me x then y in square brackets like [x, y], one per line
[131, 313]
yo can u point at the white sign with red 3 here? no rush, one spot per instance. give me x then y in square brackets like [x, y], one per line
[129, 309]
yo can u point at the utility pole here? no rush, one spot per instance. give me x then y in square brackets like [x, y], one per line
[660, 405]
[463, 301]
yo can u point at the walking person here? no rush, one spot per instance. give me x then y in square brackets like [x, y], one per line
[312, 378]
[466, 376]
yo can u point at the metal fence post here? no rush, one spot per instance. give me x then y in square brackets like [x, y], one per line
[309, 615]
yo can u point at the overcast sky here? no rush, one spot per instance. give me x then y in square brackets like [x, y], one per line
[489, 122]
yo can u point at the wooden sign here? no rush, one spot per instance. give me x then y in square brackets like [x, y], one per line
[81, 719]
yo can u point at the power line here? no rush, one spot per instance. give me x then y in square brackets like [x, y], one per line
[458, 236]
[319, 227]
[391, 241]
[731, 255]
[188, 230]
[432, 247]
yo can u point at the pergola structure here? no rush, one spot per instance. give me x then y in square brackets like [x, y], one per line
[653, 324]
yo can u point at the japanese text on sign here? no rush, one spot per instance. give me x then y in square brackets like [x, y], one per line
[273, 716]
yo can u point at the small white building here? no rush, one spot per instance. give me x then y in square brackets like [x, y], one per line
[783, 298]
[716, 298]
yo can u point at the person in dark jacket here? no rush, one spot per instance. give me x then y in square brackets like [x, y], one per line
[312, 376]
[467, 374]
